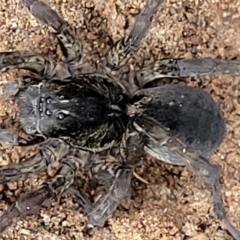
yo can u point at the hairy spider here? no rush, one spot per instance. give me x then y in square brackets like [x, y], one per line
[79, 119]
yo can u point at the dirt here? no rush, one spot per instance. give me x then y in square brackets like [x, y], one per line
[175, 204]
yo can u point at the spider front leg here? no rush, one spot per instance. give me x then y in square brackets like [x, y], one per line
[178, 68]
[35, 200]
[12, 89]
[67, 36]
[171, 147]
[48, 152]
[33, 62]
[8, 136]
[121, 52]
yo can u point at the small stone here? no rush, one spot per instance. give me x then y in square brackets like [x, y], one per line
[25, 231]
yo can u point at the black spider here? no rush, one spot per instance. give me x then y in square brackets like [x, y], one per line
[79, 119]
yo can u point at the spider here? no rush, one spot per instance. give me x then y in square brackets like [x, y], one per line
[79, 118]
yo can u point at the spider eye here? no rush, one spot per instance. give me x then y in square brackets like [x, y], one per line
[48, 112]
[49, 100]
[60, 116]
[61, 97]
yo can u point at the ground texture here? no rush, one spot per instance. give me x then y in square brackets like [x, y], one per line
[175, 204]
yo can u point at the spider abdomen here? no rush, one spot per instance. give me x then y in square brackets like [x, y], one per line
[190, 113]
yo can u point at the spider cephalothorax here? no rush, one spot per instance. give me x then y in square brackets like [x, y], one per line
[79, 119]
[74, 108]
[64, 110]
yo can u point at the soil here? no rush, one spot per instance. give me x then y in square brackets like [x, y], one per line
[175, 204]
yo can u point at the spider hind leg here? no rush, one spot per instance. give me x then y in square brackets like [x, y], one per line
[208, 172]
[179, 68]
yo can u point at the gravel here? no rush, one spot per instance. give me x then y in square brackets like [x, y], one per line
[174, 205]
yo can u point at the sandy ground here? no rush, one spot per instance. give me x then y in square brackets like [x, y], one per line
[174, 205]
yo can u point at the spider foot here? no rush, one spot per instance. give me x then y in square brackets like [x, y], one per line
[108, 204]
[142, 23]
[8, 137]
[32, 202]
[121, 52]
[231, 229]
[206, 66]
[29, 203]
[178, 68]
[67, 36]
[210, 173]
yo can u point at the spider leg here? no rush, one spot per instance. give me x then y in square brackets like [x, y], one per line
[9, 137]
[67, 36]
[50, 151]
[33, 62]
[205, 66]
[178, 68]
[166, 68]
[108, 204]
[35, 200]
[99, 212]
[209, 172]
[121, 51]
[116, 174]
[12, 89]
